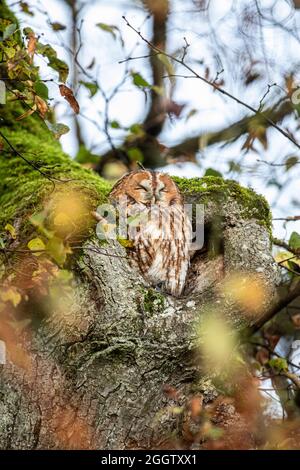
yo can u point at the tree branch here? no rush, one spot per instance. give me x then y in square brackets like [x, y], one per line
[216, 87]
[281, 303]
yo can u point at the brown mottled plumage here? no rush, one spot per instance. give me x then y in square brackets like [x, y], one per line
[159, 228]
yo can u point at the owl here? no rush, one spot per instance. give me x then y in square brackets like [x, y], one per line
[158, 228]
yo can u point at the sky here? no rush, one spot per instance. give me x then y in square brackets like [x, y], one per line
[213, 112]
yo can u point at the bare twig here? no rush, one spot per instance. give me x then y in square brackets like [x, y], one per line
[281, 303]
[288, 219]
[214, 85]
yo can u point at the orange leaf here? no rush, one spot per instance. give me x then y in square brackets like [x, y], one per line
[27, 113]
[41, 105]
[31, 45]
[67, 93]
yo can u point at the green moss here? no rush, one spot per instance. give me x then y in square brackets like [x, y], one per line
[154, 302]
[210, 188]
[24, 190]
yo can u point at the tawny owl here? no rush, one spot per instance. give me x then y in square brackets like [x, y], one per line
[158, 227]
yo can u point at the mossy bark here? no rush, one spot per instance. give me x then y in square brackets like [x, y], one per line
[95, 377]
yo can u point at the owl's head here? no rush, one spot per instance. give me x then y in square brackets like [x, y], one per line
[147, 187]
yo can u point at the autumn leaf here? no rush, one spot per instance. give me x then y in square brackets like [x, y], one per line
[125, 243]
[27, 113]
[36, 244]
[67, 93]
[41, 105]
[11, 295]
[31, 47]
[11, 230]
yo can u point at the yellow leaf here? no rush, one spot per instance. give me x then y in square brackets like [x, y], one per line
[125, 243]
[283, 257]
[11, 295]
[11, 230]
[36, 244]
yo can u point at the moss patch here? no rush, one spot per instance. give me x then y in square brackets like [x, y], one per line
[211, 188]
[154, 302]
[23, 189]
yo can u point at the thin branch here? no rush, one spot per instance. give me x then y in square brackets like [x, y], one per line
[274, 164]
[75, 248]
[288, 219]
[282, 303]
[285, 245]
[214, 85]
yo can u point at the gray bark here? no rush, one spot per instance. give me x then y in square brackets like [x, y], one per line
[98, 377]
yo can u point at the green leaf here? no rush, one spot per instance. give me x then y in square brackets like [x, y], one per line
[137, 129]
[115, 125]
[57, 250]
[25, 8]
[279, 364]
[58, 26]
[290, 162]
[41, 90]
[28, 32]
[58, 129]
[61, 67]
[56, 64]
[212, 172]
[108, 28]
[295, 241]
[168, 64]
[92, 87]
[9, 30]
[139, 81]
[135, 154]
[11, 230]
[125, 243]
[36, 244]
